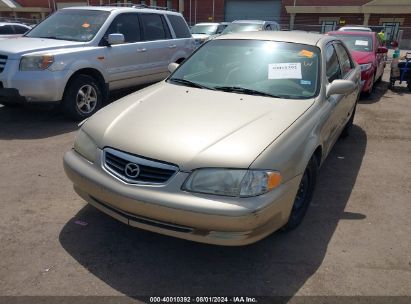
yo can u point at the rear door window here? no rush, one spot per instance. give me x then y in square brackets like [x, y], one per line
[180, 26]
[154, 27]
[20, 29]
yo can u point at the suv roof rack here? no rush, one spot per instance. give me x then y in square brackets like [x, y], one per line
[131, 5]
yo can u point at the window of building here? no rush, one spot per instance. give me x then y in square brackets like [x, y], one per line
[328, 26]
[153, 2]
[169, 4]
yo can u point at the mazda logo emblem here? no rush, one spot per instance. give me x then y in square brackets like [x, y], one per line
[132, 170]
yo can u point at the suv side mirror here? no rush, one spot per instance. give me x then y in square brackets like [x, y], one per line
[172, 67]
[382, 50]
[115, 39]
[340, 86]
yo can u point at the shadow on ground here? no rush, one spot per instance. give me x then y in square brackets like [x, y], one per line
[138, 263]
[380, 89]
[41, 121]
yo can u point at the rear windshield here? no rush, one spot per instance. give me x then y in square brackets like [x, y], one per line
[73, 25]
[357, 43]
[242, 27]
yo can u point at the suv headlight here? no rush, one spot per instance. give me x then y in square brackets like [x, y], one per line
[232, 182]
[36, 62]
[365, 67]
[85, 146]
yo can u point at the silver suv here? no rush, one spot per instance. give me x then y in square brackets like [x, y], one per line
[77, 55]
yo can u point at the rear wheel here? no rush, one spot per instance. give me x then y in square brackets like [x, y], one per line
[82, 98]
[304, 195]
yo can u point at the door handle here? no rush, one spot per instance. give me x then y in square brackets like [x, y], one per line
[141, 50]
[172, 46]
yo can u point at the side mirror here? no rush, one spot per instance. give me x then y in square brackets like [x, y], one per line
[172, 67]
[339, 86]
[114, 39]
[382, 50]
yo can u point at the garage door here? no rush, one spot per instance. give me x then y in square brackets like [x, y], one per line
[68, 4]
[248, 10]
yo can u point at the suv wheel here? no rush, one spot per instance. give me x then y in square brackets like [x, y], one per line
[83, 97]
[304, 195]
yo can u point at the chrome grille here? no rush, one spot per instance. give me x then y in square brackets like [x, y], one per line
[3, 60]
[149, 171]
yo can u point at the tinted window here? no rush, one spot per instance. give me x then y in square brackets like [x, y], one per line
[70, 24]
[126, 24]
[286, 70]
[6, 30]
[344, 59]
[180, 26]
[268, 27]
[332, 65]
[221, 28]
[20, 29]
[153, 27]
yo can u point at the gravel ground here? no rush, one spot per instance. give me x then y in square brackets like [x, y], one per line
[354, 241]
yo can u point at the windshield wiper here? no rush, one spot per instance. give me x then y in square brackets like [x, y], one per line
[50, 37]
[247, 91]
[190, 83]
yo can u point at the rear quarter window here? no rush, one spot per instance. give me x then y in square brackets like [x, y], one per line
[180, 26]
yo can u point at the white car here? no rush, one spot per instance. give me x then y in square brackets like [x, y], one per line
[203, 31]
[12, 30]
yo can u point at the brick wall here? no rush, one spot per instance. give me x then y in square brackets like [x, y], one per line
[325, 2]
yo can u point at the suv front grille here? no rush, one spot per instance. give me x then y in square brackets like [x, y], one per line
[3, 60]
[136, 170]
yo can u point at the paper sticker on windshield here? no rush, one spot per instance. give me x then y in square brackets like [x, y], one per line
[305, 53]
[284, 71]
[85, 25]
[361, 42]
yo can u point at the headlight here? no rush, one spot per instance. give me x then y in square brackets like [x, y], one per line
[36, 63]
[85, 146]
[365, 67]
[231, 182]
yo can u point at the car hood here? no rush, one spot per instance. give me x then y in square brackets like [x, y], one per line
[192, 127]
[363, 57]
[24, 45]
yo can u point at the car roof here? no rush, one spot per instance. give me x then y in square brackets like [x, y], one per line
[122, 9]
[207, 23]
[358, 27]
[12, 23]
[288, 36]
[249, 21]
[351, 33]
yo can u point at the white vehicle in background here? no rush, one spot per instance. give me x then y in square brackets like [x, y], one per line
[12, 30]
[79, 54]
[355, 28]
[203, 31]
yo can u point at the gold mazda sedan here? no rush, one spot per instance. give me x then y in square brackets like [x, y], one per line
[227, 149]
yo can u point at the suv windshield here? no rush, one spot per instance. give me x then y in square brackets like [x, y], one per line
[253, 67]
[242, 27]
[204, 29]
[357, 43]
[73, 25]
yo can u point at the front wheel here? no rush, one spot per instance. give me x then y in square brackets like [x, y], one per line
[82, 98]
[304, 195]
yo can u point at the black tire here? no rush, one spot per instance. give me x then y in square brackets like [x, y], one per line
[10, 104]
[347, 129]
[304, 195]
[82, 98]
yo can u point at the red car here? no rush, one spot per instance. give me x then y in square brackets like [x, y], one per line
[368, 51]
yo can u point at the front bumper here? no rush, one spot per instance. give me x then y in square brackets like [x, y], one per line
[169, 210]
[31, 86]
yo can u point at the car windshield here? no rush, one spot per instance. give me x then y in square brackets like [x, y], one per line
[73, 25]
[242, 27]
[253, 67]
[357, 43]
[204, 29]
